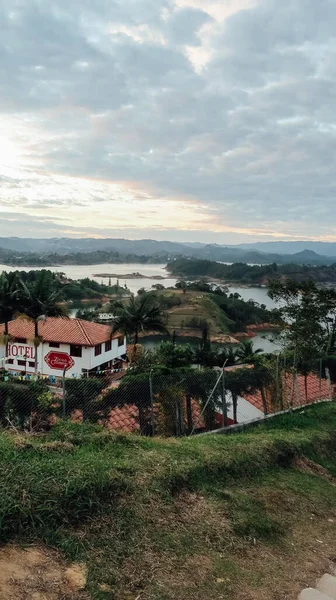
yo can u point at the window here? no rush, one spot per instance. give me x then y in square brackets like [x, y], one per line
[76, 351]
[22, 363]
[108, 346]
[120, 340]
[53, 345]
[20, 340]
[32, 365]
[98, 349]
[10, 361]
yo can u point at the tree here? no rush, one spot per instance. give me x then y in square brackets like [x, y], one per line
[182, 285]
[246, 353]
[198, 386]
[204, 355]
[142, 314]
[238, 382]
[86, 314]
[158, 287]
[227, 356]
[9, 301]
[308, 316]
[261, 378]
[173, 357]
[40, 300]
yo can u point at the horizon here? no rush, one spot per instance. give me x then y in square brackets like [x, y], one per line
[167, 240]
[164, 240]
[183, 120]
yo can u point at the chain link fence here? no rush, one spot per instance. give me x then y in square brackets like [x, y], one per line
[167, 402]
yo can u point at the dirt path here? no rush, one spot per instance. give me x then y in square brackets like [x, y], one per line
[38, 574]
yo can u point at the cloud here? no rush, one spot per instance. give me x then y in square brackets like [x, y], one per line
[222, 115]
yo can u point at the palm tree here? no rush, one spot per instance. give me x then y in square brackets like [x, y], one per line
[262, 378]
[227, 356]
[9, 301]
[238, 382]
[142, 313]
[246, 353]
[40, 300]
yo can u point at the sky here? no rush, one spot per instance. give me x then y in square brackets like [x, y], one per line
[190, 120]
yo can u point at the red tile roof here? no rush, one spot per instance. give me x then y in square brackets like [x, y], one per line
[126, 418]
[295, 393]
[62, 331]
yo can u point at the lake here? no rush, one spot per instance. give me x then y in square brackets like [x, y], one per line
[149, 270]
[82, 271]
[265, 341]
[257, 294]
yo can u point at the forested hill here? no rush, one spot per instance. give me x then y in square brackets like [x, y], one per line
[34, 259]
[243, 273]
[66, 251]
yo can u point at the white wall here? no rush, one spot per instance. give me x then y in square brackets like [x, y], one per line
[245, 410]
[16, 351]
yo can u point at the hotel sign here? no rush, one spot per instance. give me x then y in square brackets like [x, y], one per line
[20, 351]
[59, 361]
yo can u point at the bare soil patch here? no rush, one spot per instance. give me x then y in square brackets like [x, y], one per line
[39, 574]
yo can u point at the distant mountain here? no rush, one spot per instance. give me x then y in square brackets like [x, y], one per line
[70, 245]
[324, 248]
[231, 254]
[75, 251]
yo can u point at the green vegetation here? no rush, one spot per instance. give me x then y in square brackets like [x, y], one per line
[245, 274]
[310, 339]
[179, 519]
[19, 284]
[141, 314]
[199, 305]
[36, 259]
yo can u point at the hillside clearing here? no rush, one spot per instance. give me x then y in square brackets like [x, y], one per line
[249, 516]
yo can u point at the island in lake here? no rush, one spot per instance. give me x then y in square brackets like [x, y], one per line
[128, 276]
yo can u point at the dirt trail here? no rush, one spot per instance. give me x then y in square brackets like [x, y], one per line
[38, 574]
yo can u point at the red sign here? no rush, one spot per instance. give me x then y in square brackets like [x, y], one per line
[59, 360]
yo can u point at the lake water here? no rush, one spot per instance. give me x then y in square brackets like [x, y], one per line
[149, 270]
[265, 341]
[82, 271]
[257, 294]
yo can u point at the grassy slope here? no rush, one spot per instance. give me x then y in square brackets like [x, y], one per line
[246, 516]
[197, 305]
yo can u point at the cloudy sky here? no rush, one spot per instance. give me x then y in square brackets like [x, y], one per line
[199, 120]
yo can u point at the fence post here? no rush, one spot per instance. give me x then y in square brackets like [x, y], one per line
[329, 383]
[224, 405]
[297, 385]
[152, 402]
[189, 412]
[279, 396]
[64, 393]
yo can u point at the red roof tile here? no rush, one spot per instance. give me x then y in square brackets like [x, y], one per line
[294, 393]
[126, 418]
[62, 331]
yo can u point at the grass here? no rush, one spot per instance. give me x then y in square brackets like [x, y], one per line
[212, 516]
[197, 305]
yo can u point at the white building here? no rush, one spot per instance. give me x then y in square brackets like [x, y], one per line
[79, 346]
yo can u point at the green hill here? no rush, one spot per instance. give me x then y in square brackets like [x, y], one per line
[248, 516]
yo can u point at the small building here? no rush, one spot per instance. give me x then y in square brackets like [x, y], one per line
[82, 347]
[106, 317]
